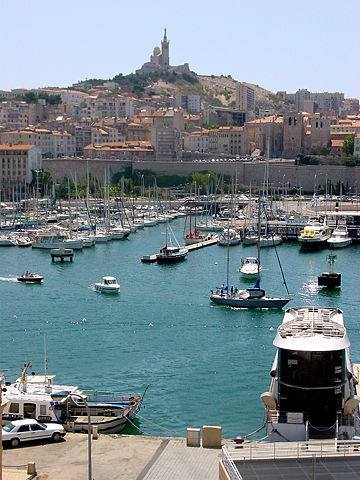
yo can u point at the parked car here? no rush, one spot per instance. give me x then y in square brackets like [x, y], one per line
[28, 429]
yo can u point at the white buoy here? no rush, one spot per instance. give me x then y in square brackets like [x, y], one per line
[271, 329]
[14, 316]
[83, 320]
[216, 263]
[151, 325]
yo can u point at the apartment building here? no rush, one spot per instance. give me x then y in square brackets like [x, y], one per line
[245, 98]
[16, 165]
[121, 151]
[190, 103]
[52, 144]
[196, 142]
[357, 146]
[105, 105]
[100, 135]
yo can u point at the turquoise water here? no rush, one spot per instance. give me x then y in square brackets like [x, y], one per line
[205, 364]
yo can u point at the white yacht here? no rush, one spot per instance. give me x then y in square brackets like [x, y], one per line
[339, 238]
[314, 236]
[312, 392]
[7, 241]
[250, 267]
[108, 285]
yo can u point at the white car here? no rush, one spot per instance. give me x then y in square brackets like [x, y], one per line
[29, 429]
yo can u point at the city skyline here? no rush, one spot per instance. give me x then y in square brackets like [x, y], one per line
[53, 46]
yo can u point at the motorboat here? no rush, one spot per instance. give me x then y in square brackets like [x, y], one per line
[250, 267]
[312, 393]
[339, 237]
[252, 297]
[28, 277]
[7, 241]
[172, 252]
[229, 237]
[24, 242]
[40, 398]
[108, 285]
[314, 236]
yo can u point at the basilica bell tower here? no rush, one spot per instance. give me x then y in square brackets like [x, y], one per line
[165, 51]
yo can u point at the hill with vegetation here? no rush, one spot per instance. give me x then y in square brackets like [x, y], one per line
[215, 90]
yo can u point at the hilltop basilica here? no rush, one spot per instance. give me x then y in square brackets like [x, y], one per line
[160, 61]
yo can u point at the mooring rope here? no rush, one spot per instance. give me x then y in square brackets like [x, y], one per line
[159, 426]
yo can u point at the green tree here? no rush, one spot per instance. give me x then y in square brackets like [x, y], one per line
[348, 146]
[324, 151]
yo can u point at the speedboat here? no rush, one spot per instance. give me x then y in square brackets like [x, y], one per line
[108, 285]
[250, 267]
[252, 297]
[339, 238]
[312, 393]
[24, 242]
[314, 236]
[28, 277]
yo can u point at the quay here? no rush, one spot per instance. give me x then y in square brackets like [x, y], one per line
[62, 254]
[136, 457]
[194, 246]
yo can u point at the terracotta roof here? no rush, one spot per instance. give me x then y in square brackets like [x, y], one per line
[337, 143]
[5, 146]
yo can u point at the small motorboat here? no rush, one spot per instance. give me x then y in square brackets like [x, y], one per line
[108, 285]
[250, 267]
[29, 277]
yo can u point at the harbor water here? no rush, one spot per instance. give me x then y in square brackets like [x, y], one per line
[205, 364]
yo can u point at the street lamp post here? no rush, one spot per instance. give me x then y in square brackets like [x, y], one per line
[89, 430]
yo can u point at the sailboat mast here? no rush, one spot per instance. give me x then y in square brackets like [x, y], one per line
[258, 242]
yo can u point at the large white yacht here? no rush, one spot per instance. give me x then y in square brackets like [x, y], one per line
[312, 392]
[314, 236]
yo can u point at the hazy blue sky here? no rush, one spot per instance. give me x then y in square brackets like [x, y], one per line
[278, 44]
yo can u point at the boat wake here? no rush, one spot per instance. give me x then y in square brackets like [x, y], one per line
[8, 279]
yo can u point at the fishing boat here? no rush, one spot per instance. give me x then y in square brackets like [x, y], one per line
[171, 253]
[250, 267]
[339, 237]
[108, 285]
[252, 297]
[312, 393]
[40, 398]
[28, 277]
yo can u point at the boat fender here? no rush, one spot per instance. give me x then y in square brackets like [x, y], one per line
[51, 409]
[217, 292]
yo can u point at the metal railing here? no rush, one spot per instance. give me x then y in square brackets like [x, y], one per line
[229, 465]
[279, 450]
